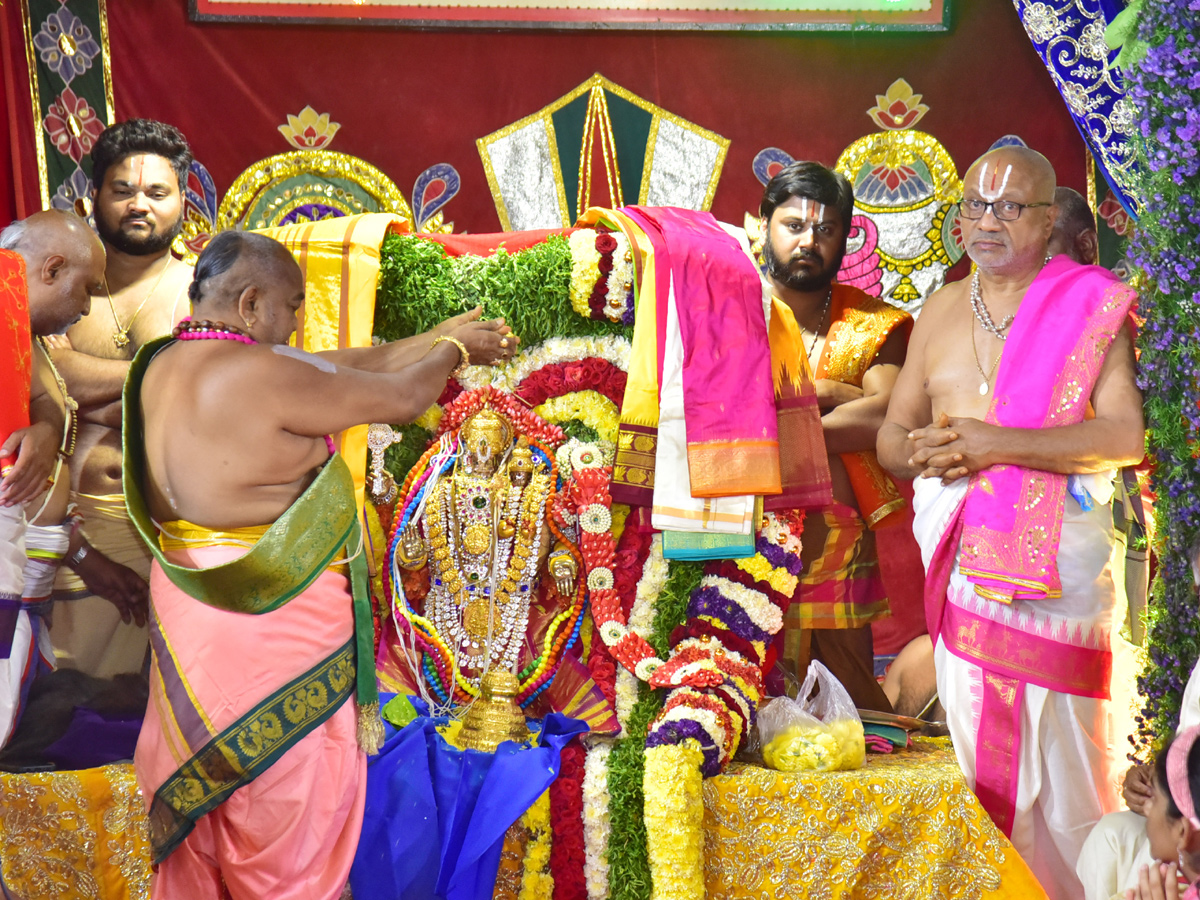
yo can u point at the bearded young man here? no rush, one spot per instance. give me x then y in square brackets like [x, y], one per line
[140, 170]
[1014, 407]
[854, 346]
[250, 756]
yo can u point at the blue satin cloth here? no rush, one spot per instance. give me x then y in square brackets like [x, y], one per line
[435, 816]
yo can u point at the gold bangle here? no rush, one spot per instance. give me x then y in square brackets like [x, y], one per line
[464, 358]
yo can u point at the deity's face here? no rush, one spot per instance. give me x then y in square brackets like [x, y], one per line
[485, 436]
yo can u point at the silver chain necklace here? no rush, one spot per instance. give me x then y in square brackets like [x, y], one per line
[981, 311]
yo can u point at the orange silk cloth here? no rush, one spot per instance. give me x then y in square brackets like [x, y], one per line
[904, 825]
[803, 462]
[74, 835]
[16, 358]
[860, 324]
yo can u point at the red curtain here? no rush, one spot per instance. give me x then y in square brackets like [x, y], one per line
[408, 99]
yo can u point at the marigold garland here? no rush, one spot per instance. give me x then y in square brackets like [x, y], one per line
[590, 407]
[675, 821]
[536, 881]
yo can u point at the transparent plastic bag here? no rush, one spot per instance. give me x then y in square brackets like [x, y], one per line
[814, 733]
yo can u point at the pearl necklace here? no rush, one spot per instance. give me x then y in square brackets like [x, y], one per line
[983, 315]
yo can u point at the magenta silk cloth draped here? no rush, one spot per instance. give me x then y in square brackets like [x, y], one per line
[729, 400]
[1012, 516]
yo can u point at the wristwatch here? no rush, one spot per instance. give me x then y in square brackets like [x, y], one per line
[78, 556]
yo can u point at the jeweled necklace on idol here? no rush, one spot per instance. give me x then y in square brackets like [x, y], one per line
[482, 588]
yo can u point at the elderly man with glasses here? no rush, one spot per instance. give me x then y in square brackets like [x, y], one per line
[1016, 403]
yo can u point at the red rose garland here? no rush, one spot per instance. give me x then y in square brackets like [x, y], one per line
[566, 824]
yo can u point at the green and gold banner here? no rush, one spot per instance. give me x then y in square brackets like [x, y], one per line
[70, 82]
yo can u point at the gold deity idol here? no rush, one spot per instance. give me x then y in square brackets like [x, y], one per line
[484, 537]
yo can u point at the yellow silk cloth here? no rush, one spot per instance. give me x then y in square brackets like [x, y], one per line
[339, 259]
[74, 835]
[904, 826]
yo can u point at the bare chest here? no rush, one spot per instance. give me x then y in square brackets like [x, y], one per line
[961, 364]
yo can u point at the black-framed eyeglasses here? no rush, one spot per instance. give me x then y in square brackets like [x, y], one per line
[1004, 210]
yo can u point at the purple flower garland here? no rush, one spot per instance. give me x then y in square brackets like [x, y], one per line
[1165, 86]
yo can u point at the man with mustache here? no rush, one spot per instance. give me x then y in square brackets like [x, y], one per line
[1014, 407]
[139, 168]
[854, 345]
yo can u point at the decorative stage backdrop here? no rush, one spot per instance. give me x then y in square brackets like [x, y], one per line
[405, 101]
[748, 15]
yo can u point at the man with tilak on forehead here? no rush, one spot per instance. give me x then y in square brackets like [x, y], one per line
[1016, 404]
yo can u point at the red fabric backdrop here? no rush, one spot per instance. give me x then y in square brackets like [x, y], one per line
[408, 99]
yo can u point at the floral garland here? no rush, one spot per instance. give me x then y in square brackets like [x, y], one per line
[525, 422]
[558, 379]
[1166, 90]
[602, 275]
[597, 824]
[613, 349]
[589, 407]
[568, 854]
[675, 821]
[536, 881]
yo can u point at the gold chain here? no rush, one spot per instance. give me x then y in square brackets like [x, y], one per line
[71, 425]
[121, 338]
[987, 378]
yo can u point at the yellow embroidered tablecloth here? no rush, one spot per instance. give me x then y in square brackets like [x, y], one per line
[74, 835]
[903, 827]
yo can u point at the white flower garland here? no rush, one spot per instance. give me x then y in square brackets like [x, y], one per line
[613, 348]
[597, 824]
[641, 622]
[618, 296]
[762, 612]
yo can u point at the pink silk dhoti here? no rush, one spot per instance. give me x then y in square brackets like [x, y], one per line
[292, 831]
